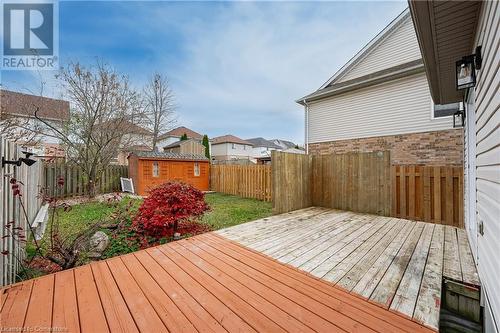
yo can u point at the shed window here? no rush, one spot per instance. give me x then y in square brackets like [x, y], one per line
[196, 169]
[156, 169]
[445, 110]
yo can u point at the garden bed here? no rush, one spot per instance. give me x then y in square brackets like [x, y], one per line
[225, 211]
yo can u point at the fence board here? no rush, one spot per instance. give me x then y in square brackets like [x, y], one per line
[11, 210]
[75, 182]
[248, 181]
[428, 193]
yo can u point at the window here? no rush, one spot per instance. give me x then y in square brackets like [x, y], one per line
[234, 145]
[156, 169]
[196, 169]
[444, 110]
[244, 147]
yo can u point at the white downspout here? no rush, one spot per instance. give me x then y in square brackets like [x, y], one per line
[306, 141]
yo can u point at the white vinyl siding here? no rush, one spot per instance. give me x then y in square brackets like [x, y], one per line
[396, 107]
[488, 154]
[399, 47]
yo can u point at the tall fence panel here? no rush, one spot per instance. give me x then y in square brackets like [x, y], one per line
[292, 181]
[75, 182]
[248, 181]
[428, 193]
[12, 217]
[358, 182]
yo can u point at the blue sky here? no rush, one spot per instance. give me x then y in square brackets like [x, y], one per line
[235, 67]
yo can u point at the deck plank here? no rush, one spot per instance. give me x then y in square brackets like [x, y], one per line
[320, 290]
[145, 316]
[406, 295]
[16, 304]
[352, 277]
[386, 288]
[469, 272]
[65, 313]
[247, 312]
[169, 313]
[118, 316]
[319, 254]
[331, 263]
[42, 293]
[194, 311]
[90, 311]
[219, 310]
[336, 273]
[452, 268]
[304, 247]
[312, 249]
[288, 311]
[429, 297]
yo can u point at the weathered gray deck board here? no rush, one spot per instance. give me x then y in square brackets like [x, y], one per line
[395, 262]
[429, 297]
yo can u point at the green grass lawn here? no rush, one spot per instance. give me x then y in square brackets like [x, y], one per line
[229, 210]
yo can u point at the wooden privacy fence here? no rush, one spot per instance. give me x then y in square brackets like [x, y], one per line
[358, 182]
[11, 212]
[75, 182]
[428, 193]
[248, 181]
[367, 183]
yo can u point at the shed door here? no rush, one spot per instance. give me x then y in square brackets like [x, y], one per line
[470, 172]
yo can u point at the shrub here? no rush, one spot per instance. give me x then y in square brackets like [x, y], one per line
[166, 206]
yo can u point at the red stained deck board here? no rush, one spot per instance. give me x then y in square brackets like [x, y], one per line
[205, 284]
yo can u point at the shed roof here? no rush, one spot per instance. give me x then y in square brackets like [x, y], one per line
[19, 104]
[170, 156]
[229, 139]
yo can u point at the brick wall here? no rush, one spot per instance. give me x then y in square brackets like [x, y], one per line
[429, 148]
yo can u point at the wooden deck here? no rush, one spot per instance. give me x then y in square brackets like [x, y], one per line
[396, 263]
[202, 284]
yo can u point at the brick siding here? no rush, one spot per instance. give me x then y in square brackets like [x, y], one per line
[427, 148]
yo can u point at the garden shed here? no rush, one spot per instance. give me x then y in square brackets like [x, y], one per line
[150, 169]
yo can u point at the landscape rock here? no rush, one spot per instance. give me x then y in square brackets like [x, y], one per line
[98, 244]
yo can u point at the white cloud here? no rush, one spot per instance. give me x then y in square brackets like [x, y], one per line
[245, 67]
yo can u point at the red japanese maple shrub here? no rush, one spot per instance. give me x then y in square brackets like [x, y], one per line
[168, 205]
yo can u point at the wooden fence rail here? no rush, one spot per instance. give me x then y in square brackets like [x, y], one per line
[248, 181]
[11, 211]
[428, 193]
[75, 182]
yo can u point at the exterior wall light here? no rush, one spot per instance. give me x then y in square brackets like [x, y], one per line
[459, 119]
[26, 160]
[466, 70]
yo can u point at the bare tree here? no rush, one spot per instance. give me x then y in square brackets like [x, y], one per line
[159, 104]
[104, 108]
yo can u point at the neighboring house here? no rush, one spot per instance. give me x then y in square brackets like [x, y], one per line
[380, 100]
[135, 138]
[230, 148]
[262, 148]
[175, 135]
[283, 143]
[190, 146]
[448, 31]
[17, 120]
[294, 151]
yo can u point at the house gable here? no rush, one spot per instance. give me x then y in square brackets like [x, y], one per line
[396, 45]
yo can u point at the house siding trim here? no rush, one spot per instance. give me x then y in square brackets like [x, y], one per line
[397, 107]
